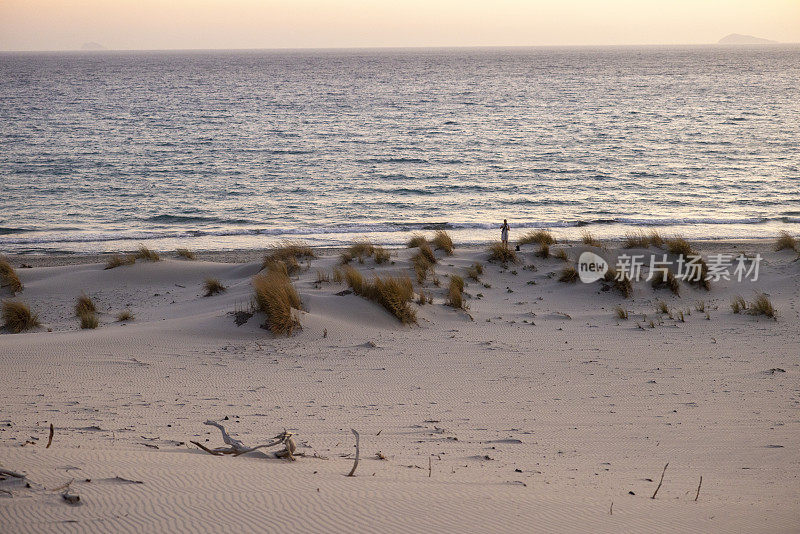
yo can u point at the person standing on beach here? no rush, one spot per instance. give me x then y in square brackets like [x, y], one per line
[504, 233]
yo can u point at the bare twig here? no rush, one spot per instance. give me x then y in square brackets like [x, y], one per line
[611, 510]
[660, 481]
[430, 467]
[50, 438]
[355, 463]
[209, 451]
[696, 495]
[11, 473]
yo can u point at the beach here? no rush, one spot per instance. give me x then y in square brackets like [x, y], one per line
[535, 408]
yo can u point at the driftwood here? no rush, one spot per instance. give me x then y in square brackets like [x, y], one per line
[237, 448]
[696, 495]
[355, 463]
[11, 473]
[50, 438]
[660, 481]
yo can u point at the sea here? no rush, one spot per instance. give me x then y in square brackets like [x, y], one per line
[225, 150]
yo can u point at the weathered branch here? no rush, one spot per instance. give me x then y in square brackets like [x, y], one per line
[696, 495]
[50, 438]
[11, 473]
[660, 481]
[237, 448]
[355, 463]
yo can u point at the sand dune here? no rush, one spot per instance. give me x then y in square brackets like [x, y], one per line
[537, 407]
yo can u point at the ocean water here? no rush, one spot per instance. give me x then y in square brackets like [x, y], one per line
[213, 150]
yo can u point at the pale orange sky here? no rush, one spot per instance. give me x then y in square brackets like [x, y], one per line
[182, 24]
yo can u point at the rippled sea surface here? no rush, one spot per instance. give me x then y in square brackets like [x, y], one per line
[226, 150]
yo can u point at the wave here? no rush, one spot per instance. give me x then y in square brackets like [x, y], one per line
[43, 237]
[4, 230]
[177, 219]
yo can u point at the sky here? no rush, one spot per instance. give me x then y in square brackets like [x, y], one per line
[217, 24]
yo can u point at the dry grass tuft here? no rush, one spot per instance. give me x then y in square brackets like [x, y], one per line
[118, 260]
[499, 252]
[474, 271]
[655, 239]
[275, 296]
[17, 317]
[540, 237]
[738, 304]
[442, 241]
[422, 298]
[147, 254]
[357, 251]
[680, 247]
[394, 293]
[89, 320]
[662, 307]
[185, 253]
[544, 251]
[622, 313]
[588, 239]
[338, 275]
[761, 305]
[622, 283]
[125, 315]
[636, 240]
[569, 275]
[700, 305]
[670, 282]
[287, 253]
[785, 241]
[381, 255]
[213, 286]
[416, 240]
[322, 277]
[84, 305]
[422, 265]
[561, 254]
[455, 292]
[9, 277]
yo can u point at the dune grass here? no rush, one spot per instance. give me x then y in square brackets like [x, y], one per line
[146, 254]
[416, 240]
[118, 260]
[394, 293]
[498, 252]
[761, 305]
[785, 241]
[380, 254]
[474, 271]
[442, 241]
[540, 237]
[569, 275]
[213, 286]
[680, 247]
[322, 277]
[455, 292]
[422, 265]
[738, 304]
[561, 254]
[662, 307]
[275, 296]
[287, 253]
[9, 277]
[636, 240]
[338, 275]
[655, 239]
[185, 253]
[622, 313]
[670, 282]
[622, 284]
[357, 251]
[88, 320]
[588, 239]
[125, 315]
[544, 251]
[17, 316]
[84, 305]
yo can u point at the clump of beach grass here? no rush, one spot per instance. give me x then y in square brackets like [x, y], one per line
[416, 240]
[588, 239]
[287, 253]
[662, 307]
[380, 254]
[761, 305]
[540, 237]
[738, 304]
[185, 253]
[322, 277]
[680, 247]
[474, 271]
[785, 241]
[455, 292]
[700, 305]
[338, 275]
[84, 305]
[569, 275]
[357, 251]
[125, 315]
[146, 254]
[9, 277]
[394, 293]
[655, 239]
[620, 282]
[622, 313]
[213, 286]
[561, 254]
[442, 241]
[636, 240]
[668, 281]
[17, 316]
[423, 262]
[544, 251]
[275, 296]
[88, 320]
[118, 260]
[499, 252]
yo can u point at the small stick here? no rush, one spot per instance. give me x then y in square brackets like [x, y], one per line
[355, 463]
[50, 438]
[611, 510]
[660, 481]
[430, 468]
[696, 495]
[209, 451]
[11, 473]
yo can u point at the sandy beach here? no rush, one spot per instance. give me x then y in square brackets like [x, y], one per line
[537, 409]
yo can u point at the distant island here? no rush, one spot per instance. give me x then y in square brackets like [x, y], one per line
[738, 38]
[91, 45]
